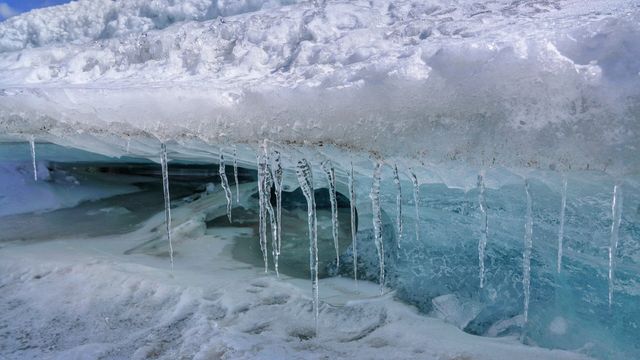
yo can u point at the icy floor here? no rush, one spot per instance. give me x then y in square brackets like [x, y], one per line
[81, 298]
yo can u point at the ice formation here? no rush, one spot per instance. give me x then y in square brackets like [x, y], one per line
[277, 174]
[484, 227]
[377, 222]
[532, 95]
[354, 234]
[416, 202]
[305, 177]
[235, 173]
[330, 173]
[616, 216]
[526, 253]
[167, 198]
[264, 195]
[396, 180]
[563, 208]
[32, 146]
[224, 181]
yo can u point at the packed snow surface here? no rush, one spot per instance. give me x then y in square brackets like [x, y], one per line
[80, 298]
[525, 83]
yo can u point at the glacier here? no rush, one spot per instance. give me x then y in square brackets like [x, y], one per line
[418, 179]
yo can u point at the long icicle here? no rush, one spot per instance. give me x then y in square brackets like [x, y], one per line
[331, 179]
[277, 175]
[262, 184]
[563, 206]
[305, 177]
[484, 227]
[616, 218]
[235, 173]
[272, 221]
[167, 199]
[225, 184]
[396, 180]
[416, 201]
[354, 244]
[32, 145]
[377, 222]
[272, 218]
[526, 255]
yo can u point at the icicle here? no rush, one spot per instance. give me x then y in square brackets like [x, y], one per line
[377, 222]
[352, 198]
[331, 179]
[272, 216]
[561, 230]
[167, 200]
[616, 218]
[225, 185]
[263, 173]
[128, 145]
[32, 144]
[526, 256]
[235, 173]
[277, 175]
[396, 180]
[416, 198]
[305, 177]
[484, 228]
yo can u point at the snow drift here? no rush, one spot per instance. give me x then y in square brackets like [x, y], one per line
[531, 83]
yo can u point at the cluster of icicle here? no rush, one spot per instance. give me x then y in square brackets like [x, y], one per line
[270, 175]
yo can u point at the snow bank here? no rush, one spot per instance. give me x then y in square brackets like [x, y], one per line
[82, 299]
[530, 84]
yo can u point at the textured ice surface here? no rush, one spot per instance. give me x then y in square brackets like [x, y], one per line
[437, 272]
[113, 307]
[528, 83]
[516, 91]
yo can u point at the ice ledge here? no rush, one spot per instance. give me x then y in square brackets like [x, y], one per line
[384, 120]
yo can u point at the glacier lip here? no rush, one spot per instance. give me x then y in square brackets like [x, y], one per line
[535, 84]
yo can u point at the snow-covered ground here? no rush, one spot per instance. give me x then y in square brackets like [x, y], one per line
[80, 298]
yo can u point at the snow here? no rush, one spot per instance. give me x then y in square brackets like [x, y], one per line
[531, 84]
[525, 93]
[81, 298]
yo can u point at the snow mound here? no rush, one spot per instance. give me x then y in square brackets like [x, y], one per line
[530, 83]
[89, 20]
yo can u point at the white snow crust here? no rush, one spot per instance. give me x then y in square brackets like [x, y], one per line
[80, 298]
[528, 83]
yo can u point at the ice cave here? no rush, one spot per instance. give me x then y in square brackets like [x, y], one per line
[326, 179]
